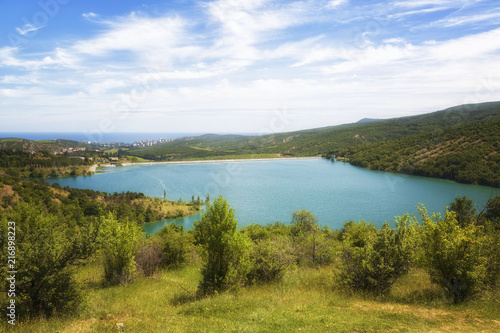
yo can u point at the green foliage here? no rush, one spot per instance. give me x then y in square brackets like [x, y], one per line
[454, 255]
[372, 259]
[304, 222]
[119, 247]
[224, 249]
[493, 211]
[464, 211]
[47, 247]
[312, 246]
[271, 258]
[467, 153]
[176, 246]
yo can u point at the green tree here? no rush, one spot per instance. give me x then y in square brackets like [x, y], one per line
[464, 211]
[453, 255]
[176, 245]
[493, 211]
[224, 249]
[47, 248]
[372, 259]
[304, 222]
[119, 246]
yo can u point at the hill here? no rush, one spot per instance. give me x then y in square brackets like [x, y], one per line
[361, 140]
[59, 146]
[468, 154]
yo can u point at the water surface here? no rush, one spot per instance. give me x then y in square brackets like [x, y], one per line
[268, 191]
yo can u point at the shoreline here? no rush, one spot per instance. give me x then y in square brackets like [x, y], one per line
[219, 161]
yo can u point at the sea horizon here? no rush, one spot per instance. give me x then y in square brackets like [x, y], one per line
[124, 137]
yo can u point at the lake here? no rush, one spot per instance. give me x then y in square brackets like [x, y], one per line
[266, 191]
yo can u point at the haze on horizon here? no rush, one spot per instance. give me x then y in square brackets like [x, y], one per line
[249, 66]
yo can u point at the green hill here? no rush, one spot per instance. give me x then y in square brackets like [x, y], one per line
[450, 143]
[16, 144]
[468, 154]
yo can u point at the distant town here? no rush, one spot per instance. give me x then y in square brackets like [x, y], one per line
[136, 144]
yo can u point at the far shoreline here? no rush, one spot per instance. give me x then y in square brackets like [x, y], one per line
[218, 161]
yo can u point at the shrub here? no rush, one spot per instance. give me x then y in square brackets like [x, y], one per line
[176, 246]
[372, 259]
[224, 249]
[312, 246]
[453, 256]
[46, 250]
[119, 246]
[270, 257]
[149, 256]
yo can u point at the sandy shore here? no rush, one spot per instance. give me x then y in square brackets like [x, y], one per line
[93, 168]
[219, 161]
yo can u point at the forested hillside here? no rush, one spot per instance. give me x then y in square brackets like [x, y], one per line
[321, 141]
[17, 144]
[468, 154]
[459, 143]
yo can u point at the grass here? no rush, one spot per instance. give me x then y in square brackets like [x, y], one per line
[308, 300]
[137, 159]
[200, 148]
[11, 140]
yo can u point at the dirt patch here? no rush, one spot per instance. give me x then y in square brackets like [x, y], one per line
[6, 190]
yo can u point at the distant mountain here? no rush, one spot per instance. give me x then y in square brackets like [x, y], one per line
[366, 120]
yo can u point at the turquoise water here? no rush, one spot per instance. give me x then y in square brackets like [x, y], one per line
[268, 191]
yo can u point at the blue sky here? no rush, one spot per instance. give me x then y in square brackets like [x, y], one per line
[240, 66]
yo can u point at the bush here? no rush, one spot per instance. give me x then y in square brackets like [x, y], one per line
[46, 250]
[149, 256]
[454, 256]
[224, 249]
[176, 246]
[373, 260]
[312, 246]
[270, 260]
[119, 246]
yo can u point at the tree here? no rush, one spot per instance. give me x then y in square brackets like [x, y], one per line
[493, 211]
[224, 249]
[372, 259]
[464, 210]
[47, 247]
[119, 246]
[304, 222]
[453, 255]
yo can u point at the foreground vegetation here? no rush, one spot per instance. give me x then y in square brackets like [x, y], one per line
[308, 299]
[439, 273]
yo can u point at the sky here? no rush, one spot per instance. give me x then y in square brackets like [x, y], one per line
[240, 66]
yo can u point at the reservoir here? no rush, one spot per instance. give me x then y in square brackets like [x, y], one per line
[265, 191]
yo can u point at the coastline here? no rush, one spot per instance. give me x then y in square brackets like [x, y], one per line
[219, 161]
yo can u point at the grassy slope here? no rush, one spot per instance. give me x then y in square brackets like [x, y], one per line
[306, 301]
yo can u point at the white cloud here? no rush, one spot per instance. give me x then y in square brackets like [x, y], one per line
[487, 18]
[249, 58]
[336, 3]
[90, 16]
[27, 28]
[153, 41]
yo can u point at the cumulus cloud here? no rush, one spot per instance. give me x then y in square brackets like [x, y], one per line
[252, 57]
